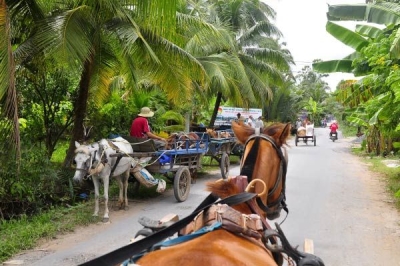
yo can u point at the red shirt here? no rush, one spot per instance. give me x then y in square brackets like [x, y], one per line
[334, 127]
[140, 127]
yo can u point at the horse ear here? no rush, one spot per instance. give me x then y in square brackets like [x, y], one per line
[77, 144]
[285, 134]
[241, 132]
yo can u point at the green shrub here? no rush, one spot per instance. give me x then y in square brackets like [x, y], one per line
[38, 185]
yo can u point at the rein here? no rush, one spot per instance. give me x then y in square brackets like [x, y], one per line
[248, 166]
[115, 257]
[103, 160]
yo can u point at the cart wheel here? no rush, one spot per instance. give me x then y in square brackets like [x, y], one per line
[315, 140]
[296, 140]
[225, 162]
[182, 184]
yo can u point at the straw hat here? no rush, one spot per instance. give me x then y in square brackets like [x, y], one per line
[146, 112]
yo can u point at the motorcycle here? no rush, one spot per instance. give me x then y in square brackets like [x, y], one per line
[333, 136]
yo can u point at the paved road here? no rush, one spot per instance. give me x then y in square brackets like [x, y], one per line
[333, 199]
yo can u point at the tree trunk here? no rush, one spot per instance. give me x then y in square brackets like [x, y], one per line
[215, 111]
[80, 107]
[10, 107]
[382, 141]
[389, 147]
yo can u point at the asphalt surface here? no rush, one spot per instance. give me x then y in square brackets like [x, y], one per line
[332, 197]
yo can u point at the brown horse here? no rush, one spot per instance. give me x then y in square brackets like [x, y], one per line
[218, 247]
[180, 140]
[262, 153]
[214, 134]
[265, 157]
[235, 234]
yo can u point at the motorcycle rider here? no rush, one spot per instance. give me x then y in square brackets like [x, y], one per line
[334, 127]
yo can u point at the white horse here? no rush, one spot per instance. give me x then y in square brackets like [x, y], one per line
[94, 160]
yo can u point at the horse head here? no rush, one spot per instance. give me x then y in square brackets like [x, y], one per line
[86, 158]
[211, 132]
[178, 140]
[265, 158]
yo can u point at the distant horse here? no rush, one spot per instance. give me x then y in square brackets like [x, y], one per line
[94, 160]
[181, 139]
[214, 134]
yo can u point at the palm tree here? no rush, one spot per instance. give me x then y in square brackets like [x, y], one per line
[9, 126]
[244, 71]
[104, 38]
[29, 14]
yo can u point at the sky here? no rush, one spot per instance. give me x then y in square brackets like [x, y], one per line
[303, 26]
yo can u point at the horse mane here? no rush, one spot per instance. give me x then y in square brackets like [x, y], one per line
[222, 188]
[82, 149]
[278, 131]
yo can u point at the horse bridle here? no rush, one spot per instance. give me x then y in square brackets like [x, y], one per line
[92, 162]
[248, 166]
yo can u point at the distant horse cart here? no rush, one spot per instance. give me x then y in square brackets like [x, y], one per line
[230, 226]
[179, 163]
[121, 159]
[306, 134]
[222, 144]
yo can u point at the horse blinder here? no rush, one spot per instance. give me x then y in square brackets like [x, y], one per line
[272, 210]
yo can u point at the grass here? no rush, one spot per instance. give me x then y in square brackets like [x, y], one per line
[348, 131]
[391, 175]
[24, 233]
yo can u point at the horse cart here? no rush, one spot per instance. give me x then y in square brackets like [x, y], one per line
[222, 143]
[306, 133]
[220, 149]
[178, 164]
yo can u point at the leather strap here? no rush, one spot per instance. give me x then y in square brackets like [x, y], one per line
[119, 255]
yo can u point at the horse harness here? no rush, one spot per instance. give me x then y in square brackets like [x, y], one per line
[248, 166]
[251, 227]
[94, 167]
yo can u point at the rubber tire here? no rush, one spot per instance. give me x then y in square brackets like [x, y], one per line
[182, 184]
[224, 165]
[315, 140]
[296, 140]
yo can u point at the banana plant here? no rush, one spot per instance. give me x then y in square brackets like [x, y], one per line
[385, 14]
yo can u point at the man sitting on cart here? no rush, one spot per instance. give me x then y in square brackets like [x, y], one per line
[140, 129]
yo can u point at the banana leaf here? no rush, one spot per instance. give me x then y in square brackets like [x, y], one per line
[346, 36]
[369, 31]
[333, 66]
[382, 13]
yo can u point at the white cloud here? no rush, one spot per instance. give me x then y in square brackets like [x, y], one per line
[303, 26]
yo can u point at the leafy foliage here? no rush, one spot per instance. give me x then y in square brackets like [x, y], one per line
[39, 185]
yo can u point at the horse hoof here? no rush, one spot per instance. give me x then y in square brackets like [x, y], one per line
[106, 220]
